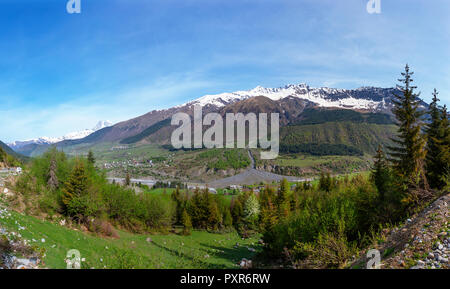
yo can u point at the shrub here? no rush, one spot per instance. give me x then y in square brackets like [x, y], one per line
[329, 251]
[319, 213]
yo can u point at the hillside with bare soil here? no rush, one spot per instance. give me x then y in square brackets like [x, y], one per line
[423, 242]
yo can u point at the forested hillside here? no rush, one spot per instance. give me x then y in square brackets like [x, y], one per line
[7, 156]
[365, 137]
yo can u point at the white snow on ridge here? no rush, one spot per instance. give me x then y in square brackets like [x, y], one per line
[69, 136]
[321, 96]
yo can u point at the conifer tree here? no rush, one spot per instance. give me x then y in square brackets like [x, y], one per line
[213, 215]
[227, 219]
[325, 182]
[237, 212]
[178, 198]
[127, 180]
[282, 201]
[91, 158]
[408, 153]
[283, 192]
[445, 147]
[76, 185]
[380, 173]
[268, 214]
[435, 130]
[186, 221]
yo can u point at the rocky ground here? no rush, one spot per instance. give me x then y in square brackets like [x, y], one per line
[423, 242]
[16, 252]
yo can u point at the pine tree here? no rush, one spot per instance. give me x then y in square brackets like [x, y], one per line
[325, 182]
[213, 215]
[186, 221]
[52, 181]
[435, 130]
[380, 173]
[76, 185]
[127, 180]
[237, 212]
[445, 147]
[203, 210]
[282, 201]
[177, 197]
[268, 215]
[227, 219]
[408, 153]
[91, 158]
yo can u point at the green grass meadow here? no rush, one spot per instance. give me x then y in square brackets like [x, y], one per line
[200, 250]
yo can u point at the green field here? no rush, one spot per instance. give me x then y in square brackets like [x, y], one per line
[309, 161]
[103, 152]
[200, 250]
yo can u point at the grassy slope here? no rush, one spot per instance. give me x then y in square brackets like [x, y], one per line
[132, 251]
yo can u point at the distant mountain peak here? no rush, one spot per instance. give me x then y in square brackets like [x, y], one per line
[70, 136]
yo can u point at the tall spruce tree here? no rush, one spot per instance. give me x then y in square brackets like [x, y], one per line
[435, 131]
[186, 221]
[380, 173]
[75, 187]
[127, 180]
[282, 200]
[268, 215]
[408, 153]
[237, 211]
[445, 147]
[91, 158]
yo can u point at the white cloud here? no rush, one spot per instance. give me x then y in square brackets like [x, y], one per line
[28, 122]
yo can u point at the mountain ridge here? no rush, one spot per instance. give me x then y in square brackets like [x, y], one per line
[52, 140]
[289, 101]
[366, 99]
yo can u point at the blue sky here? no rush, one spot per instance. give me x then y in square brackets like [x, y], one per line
[119, 59]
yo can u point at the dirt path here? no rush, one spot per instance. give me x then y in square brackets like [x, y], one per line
[252, 159]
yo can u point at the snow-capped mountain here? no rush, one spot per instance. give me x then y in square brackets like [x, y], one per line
[70, 136]
[364, 98]
[289, 101]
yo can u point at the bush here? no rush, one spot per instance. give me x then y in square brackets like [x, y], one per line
[329, 251]
[77, 190]
[319, 213]
[137, 212]
[102, 227]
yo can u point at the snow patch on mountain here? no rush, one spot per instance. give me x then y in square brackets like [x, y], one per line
[367, 98]
[70, 136]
